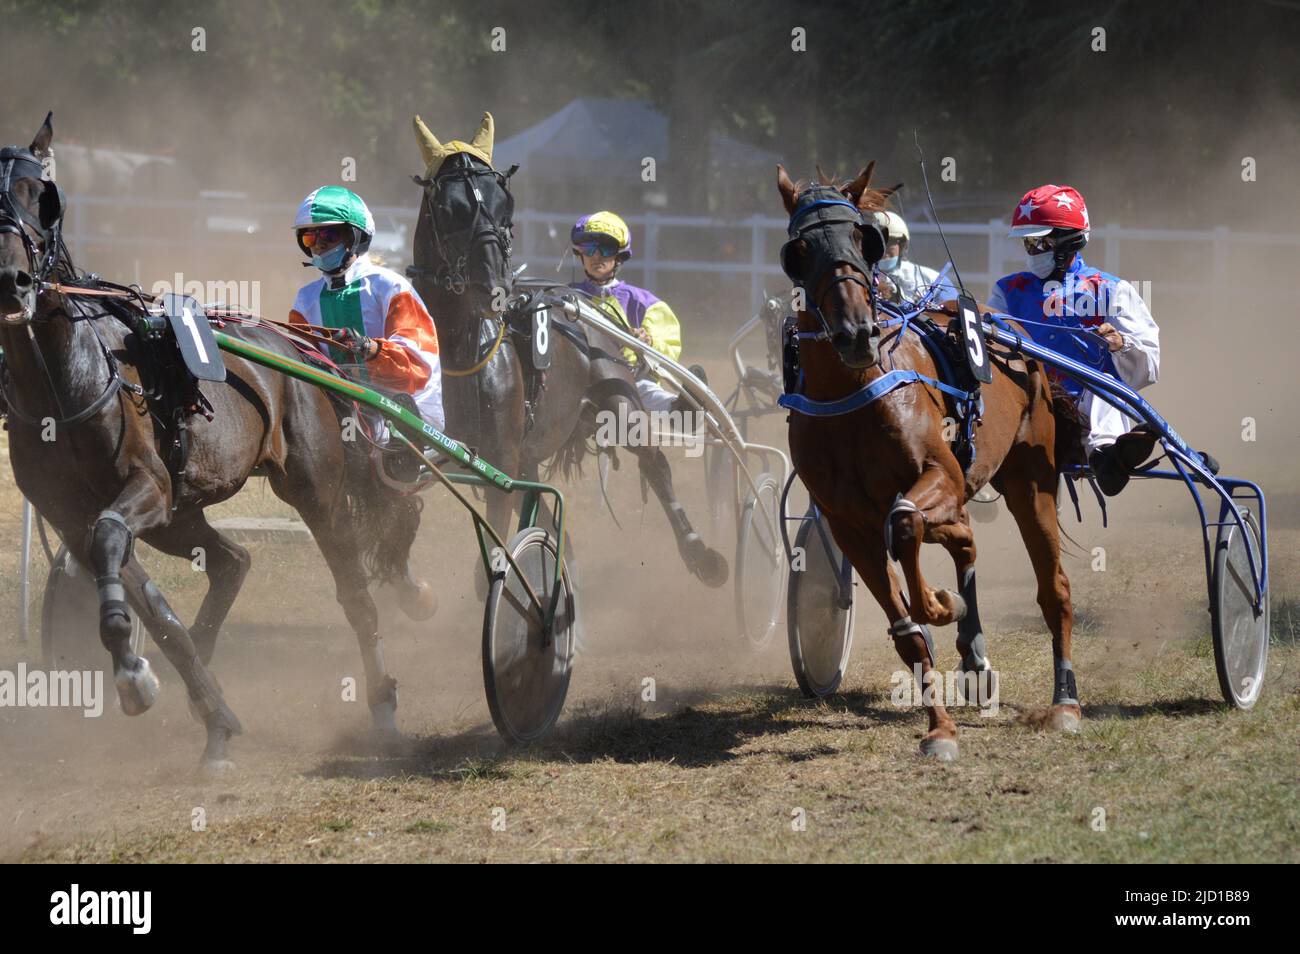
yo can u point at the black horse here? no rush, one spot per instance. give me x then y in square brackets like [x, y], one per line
[91, 437]
[515, 416]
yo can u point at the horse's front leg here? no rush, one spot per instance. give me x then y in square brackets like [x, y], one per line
[140, 506]
[933, 501]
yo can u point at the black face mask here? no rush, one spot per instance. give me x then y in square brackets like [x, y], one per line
[16, 163]
[827, 230]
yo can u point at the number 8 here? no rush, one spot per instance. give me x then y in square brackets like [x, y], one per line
[543, 331]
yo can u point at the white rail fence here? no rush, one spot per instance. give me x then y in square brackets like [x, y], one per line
[1192, 262]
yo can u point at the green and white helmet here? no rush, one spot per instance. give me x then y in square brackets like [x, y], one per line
[335, 205]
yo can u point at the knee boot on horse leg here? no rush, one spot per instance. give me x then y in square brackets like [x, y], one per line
[905, 528]
[108, 549]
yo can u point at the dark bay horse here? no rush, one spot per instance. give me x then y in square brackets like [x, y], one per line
[886, 472]
[87, 453]
[494, 401]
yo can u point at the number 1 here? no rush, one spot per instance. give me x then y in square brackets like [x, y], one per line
[187, 318]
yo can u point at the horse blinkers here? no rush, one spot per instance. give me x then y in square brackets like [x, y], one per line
[818, 239]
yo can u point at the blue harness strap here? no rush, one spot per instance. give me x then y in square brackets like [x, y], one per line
[878, 388]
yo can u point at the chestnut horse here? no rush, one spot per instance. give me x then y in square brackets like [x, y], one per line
[86, 452]
[884, 474]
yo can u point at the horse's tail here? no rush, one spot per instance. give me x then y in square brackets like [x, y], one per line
[385, 522]
[568, 459]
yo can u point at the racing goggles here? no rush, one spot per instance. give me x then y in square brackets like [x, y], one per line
[321, 236]
[603, 249]
[1038, 244]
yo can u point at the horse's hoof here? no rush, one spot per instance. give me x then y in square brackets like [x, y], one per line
[384, 717]
[137, 690]
[953, 603]
[940, 748]
[706, 563]
[984, 681]
[215, 768]
[418, 601]
[1066, 719]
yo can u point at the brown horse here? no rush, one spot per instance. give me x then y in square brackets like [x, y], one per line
[885, 476]
[87, 452]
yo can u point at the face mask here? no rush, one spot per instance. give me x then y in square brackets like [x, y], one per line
[889, 264]
[332, 259]
[1042, 264]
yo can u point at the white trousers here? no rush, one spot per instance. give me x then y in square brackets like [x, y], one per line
[653, 396]
[1107, 422]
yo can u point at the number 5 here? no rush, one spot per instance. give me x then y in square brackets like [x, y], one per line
[973, 342]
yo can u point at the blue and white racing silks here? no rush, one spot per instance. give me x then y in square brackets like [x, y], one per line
[1085, 298]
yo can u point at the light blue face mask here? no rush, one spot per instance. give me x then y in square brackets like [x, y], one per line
[332, 259]
[889, 264]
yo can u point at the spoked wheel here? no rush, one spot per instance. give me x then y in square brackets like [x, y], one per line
[526, 667]
[1240, 634]
[70, 620]
[760, 563]
[819, 616]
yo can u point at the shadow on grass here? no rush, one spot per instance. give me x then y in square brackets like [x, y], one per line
[689, 736]
[1170, 708]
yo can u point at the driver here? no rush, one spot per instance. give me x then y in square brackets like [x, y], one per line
[1059, 288]
[897, 277]
[603, 242]
[370, 311]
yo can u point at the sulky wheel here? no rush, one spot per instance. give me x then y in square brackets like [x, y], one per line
[819, 610]
[526, 666]
[760, 563]
[1240, 634]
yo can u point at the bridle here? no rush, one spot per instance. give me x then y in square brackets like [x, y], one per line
[16, 219]
[43, 264]
[817, 221]
[450, 275]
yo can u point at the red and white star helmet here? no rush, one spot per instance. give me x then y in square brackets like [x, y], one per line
[1046, 208]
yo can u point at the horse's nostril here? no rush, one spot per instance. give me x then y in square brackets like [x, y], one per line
[22, 281]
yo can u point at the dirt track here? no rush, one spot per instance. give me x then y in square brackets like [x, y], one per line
[715, 766]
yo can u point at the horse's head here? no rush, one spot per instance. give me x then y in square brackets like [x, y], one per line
[834, 244]
[463, 238]
[31, 214]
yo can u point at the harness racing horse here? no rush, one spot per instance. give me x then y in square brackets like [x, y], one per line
[884, 474]
[495, 400]
[89, 449]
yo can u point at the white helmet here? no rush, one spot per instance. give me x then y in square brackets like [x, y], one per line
[893, 224]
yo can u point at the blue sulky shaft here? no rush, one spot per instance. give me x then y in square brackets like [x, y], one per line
[1180, 452]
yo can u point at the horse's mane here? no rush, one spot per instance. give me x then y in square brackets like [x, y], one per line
[870, 200]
